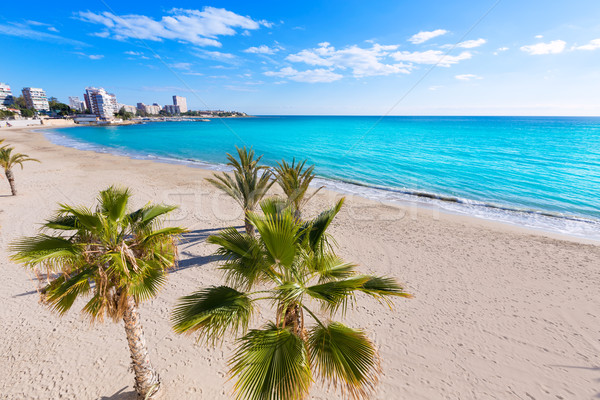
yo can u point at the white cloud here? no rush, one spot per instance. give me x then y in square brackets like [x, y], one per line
[90, 56]
[467, 77]
[361, 61]
[263, 49]
[431, 57]
[310, 76]
[201, 28]
[24, 31]
[539, 36]
[181, 65]
[216, 55]
[553, 47]
[500, 50]
[470, 44]
[134, 53]
[52, 29]
[592, 45]
[424, 36]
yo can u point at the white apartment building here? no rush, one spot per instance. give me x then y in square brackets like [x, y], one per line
[6, 96]
[101, 103]
[36, 98]
[181, 102]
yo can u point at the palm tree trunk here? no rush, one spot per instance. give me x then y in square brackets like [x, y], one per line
[294, 320]
[248, 224]
[11, 181]
[147, 381]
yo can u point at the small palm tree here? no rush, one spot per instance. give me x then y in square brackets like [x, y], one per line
[294, 265]
[8, 161]
[115, 257]
[249, 184]
[294, 181]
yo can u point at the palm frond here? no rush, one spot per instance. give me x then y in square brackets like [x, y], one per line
[62, 292]
[245, 263]
[249, 183]
[345, 358]
[44, 249]
[331, 267]
[335, 295]
[317, 238]
[279, 234]
[212, 312]
[113, 202]
[383, 287]
[271, 363]
[8, 160]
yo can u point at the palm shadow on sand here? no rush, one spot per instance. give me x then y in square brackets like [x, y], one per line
[122, 395]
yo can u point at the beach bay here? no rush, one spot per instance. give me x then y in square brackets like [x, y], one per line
[498, 311]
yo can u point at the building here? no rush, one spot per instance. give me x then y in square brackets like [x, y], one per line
[172, 109]
[100, 102]
[36, 98]
[76, 104]
[6, 97]
[129, 109]
[181, 102]
[152, 109]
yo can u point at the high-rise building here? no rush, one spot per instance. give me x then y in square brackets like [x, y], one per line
[75, 103]
[36, 98]
[140, 106]
[181, 102]
[100, 102]
[172, 109]
[6, 96]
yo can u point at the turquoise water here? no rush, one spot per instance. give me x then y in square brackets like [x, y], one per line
[534, 171]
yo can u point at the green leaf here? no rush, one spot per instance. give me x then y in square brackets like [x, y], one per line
[245, 263]
[113, 202]
[380, 287]
[42, 248]
[279, 233]
[212, 312]
[336, 294]
[345, 358]
[271, 363]
[62, 292]
[317, 238]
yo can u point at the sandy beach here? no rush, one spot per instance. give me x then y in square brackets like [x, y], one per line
[499, 312]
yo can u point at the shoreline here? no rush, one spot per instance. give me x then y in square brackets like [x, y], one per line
[499, 312]
[503, 215]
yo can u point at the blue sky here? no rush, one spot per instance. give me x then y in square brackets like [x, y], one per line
[487, 57]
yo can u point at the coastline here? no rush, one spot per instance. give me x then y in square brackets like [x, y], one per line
[532, 221]
[499, 311]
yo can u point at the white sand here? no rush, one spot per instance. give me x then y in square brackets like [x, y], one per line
[499, 312]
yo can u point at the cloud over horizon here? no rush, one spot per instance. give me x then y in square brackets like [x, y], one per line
[424, 36]
[201, 28]
[553, 47]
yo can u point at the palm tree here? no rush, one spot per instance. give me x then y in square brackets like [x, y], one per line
[114, 257]
[294, 181]
[294, 265]
[249, 184]
[8, 161]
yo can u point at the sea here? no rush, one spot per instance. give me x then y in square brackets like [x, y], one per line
[537, 172]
